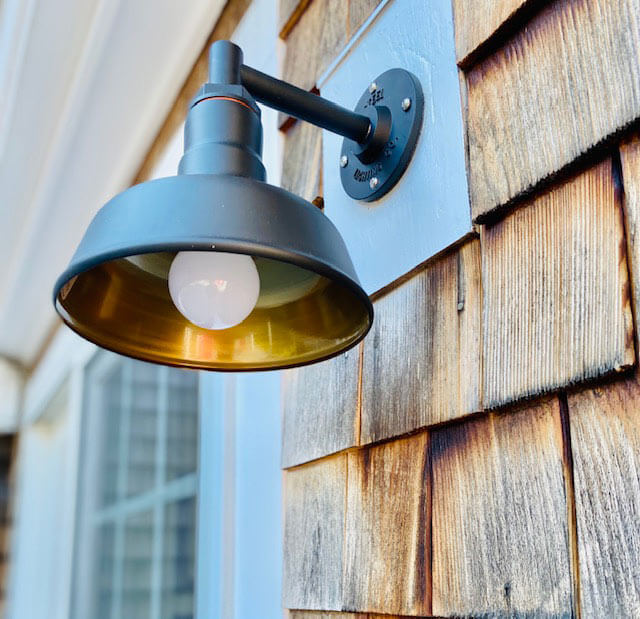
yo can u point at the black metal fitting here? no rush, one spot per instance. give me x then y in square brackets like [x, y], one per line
[395, 104]
[381, 123]
[223, 133]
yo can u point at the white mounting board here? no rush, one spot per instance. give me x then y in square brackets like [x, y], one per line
[428, 210]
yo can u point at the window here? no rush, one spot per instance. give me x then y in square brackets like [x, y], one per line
[136, 542]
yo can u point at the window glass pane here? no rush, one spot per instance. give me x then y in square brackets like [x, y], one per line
[142, 428]
[111, 420]
[182, 420]
[137, 562]
[103, 571]
[178, 574]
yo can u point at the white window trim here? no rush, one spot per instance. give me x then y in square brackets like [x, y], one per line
[210, 534]
[64, 361]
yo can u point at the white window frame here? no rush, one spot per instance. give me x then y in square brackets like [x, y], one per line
[62, 363]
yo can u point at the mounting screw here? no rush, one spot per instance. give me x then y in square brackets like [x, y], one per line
[344, 160]
[373, 87]
[373, 183]
[406, 104]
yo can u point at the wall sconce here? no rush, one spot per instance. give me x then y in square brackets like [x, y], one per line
[215, 269]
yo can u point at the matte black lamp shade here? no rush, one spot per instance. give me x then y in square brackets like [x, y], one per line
[115, 291]
[310, 306]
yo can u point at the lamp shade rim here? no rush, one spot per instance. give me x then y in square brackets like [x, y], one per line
[221, 368]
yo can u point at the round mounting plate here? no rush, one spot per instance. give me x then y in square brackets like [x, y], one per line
[369, 182]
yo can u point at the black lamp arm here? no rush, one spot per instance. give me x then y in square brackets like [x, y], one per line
[305, 105]
[225, 67]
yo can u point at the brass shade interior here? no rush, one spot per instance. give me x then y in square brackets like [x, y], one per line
[300, 317]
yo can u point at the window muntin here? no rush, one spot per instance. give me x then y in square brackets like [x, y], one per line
[135, 551]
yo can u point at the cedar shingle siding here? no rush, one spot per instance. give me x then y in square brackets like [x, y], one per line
[479, 454]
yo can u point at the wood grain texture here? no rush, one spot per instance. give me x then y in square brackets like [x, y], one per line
[500, 534]
[605, 439]
[320, 409]
[569, 80]
[315, 41]
[314, 516]
[422, 360]
[289, 12]
[630, 158]
[302, 161]
[476, 20]
[359, 10]
[556, 292]
[386, 564]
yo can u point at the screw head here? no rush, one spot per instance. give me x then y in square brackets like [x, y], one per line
[373, 183]
[373, 87]
[344, 160]
[406, 104]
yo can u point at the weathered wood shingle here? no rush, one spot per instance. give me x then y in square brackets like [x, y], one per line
[476, 21]
[302, 161]
[630, 157]
[500, 533]
[289, 12]
[605, 439]
[314, 513]
[422, 360]
[556, 292]
[315, 41]
[566, 82]
[320, 409]
[359, 10]
[387, 551]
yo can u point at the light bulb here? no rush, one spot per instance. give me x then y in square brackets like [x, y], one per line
[214, 290]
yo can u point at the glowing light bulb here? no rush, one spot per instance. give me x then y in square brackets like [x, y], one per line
[214, 290]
